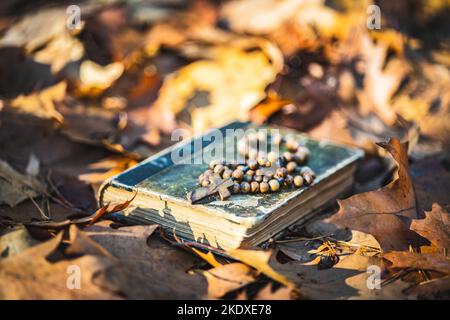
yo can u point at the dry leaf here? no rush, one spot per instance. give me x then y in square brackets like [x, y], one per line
[228, 277]
[42, 104]
[385, 213]
[259, 259]
[435, 227]
[16, 187]
[228, 80]
[29, 275]
[419, 261]
[208, 257]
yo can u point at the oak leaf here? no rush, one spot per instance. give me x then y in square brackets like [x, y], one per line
[419, 261]
[385, 213]
[435, 227]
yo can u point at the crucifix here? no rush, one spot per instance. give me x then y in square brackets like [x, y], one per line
[218, 186]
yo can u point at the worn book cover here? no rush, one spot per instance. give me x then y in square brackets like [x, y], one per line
[242, 220]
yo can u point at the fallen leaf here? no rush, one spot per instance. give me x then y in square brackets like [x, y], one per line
[29, 275]
[208, 257]
[42, 104]
[228, 277]
[259, 259]
[149, 268]
[435, 227]
[385, 213]
[267, 293]
[419, 261]
[228, 81]
[16, 187]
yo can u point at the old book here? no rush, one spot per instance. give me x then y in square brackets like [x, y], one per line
[243, 220]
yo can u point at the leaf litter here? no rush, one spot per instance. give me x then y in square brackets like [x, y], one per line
[79, 107]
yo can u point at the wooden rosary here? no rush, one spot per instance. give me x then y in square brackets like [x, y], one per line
[256, 174]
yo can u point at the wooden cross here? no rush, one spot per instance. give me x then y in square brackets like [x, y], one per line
[218, 186]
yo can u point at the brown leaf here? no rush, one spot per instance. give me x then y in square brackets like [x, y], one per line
[259, 259]
[29, 275]
[419, 261]
[149, 268]
[435, 227]
[385, 213]
[103, 211]
[266, 293]
[228, 277]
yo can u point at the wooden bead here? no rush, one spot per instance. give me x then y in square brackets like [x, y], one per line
[292, 145]
[250, 172]
[302, 154]
[288, 180]
[236, 188]
[214, 163]
[257, 178]
[227, 174]
[262, 161]
[274, 185]
[291, 166]
[272, 157]
[308, 170]
[308, 178]
[298, 181]
[219, 169]
[281, 172]
[238, 174]
[287, 156]
[205, 183]
[245, 187]
[252, 164]
[268, 174]
[264, 187]
[242, 167]
[259, 172]
[254, 186]
[248, 178]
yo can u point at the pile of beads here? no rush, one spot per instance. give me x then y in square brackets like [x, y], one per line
[256, 175]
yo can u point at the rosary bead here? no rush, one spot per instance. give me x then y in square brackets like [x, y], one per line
[248, 178]
[287, 156]
[264, 187]
[262, 161]
[254, 186]
[250, 172]
[245, 187]
[236, 188]
[274, 185]
[281, 172]
[252, 164]
[288, 180]
[308, 177]
[214, 163]
[298, 181]
[218, 169]
[308, 170]
[259, 172]
[238, 174]
[292, 145]
[302, 154]
[272, 157]
[291, 166]
[258, 178]
[227, 174]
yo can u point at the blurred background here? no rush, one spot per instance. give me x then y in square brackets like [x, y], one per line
[90, 88]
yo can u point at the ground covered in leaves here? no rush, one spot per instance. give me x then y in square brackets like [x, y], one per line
[78, 106]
